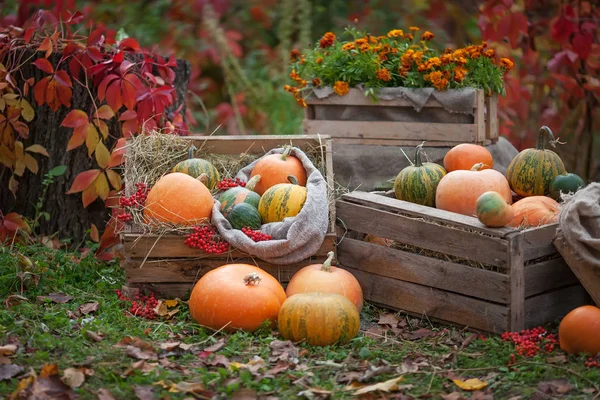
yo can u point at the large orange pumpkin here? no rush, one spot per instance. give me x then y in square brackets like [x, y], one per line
[534, 211]
[275, 168]
[459, 190]
[236, 296]
[465, 155]
[178, 198]
[579, 331]
[326, 279]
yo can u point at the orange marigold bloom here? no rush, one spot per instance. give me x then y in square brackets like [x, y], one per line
[441, 84]
[360, 41]
[414, 28]
[316, 82]
[427, 35]
[302, 83]
[434, 62]
[417, 57]
[384, 75]
[459, 73]
[294, 55]
[409, 36]
[327, 40]
[507, 64]
[489, 53]
[301, 101]
[372, 39]
[396, 33]
[446, 59]
[434, 76]
[448, 50]
[475, 54]
[294, 75]
[348, 46]
[460, 60]
[319, 60]
[341, 88]
[364, 47]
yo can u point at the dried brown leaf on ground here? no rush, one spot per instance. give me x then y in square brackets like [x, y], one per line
[47, 385]
[165, 308]
[9, 371]
[388, 319]
[555, 387]
[390, 385]
[74, 377]
[559, 359]
[418, 334]
[169, 346]
[453, 396]
[14, 299]
[95, 336]
[8, 349]
[137, 348]
[218, 360]
[217, 346]
[244, 394]
[283, 350]
[142, 365]
[88, 308]
[105, 394]
[280, 367]
[143, 392]
[470, 339]
[60, 298]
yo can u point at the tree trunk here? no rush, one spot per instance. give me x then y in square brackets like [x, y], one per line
[68, 218]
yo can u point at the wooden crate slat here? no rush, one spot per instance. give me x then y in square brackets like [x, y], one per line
[516, 316]
[167, 290]
[432, 302]
[480, 125]
[258, 144]
[548, 275]
[428, 271]
[538, 241]
[402, 142]
[554, 304]
[491, 119]
[393, 205]
[392, 130]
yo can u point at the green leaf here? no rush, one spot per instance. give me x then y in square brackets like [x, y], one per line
[59, 170]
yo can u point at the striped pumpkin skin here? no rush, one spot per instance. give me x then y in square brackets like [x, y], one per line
[320, 319]
[418, 184]
[237, 195]
[281, 201]
[197, 166]
[244, 215]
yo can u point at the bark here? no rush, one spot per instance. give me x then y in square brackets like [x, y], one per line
[68, 217]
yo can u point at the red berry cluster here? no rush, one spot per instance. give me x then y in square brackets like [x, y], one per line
[138, 198]
[142, 306]
[227, 183]
[125, 217]
[593, 363]
[205, 238]
[257, 236]
[530, 342]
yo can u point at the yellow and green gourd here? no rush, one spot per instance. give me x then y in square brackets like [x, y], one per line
[198, 166]
[282, 200]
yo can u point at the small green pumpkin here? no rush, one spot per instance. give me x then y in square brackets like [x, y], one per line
[239, 194]
[244, 215]
[417, 183]
[196, 167]
[492, 210]
[566, 183]
[532, 170]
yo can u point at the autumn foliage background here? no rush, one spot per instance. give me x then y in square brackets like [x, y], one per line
[239, 53]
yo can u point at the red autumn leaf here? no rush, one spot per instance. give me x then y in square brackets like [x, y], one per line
[512, 25]
[127, 115]
[104, 112]
[83, 180]
[118, 58]
[102, 127]
[89, 195]
[130, 128]
[562, 29]
[63, 79]
[116, 157]
[75, 118]
[582, 44]
[44, 65]
[114, 97]
[110, 236]
[13, 221]
[28, 35]
[129, 44]
[78, 137]
[46, 46]
[71, 48]
[568, 82]
[95, 37]
[94, 234]
[104, 85]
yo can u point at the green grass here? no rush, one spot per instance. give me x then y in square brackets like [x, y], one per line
[46, 334]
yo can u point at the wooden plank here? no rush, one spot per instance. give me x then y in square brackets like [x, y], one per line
[189, 270]
[480, 115]
[537, 242]
[427, 271]
[330, 184]
[253, 144]
[516, 317]
[548, 306]
[356, 97]
[403, 142]
[423, 234]
[436, 303]
[394, 205]
[170, 246]
[309, 112]
[392, 130]
[491, 121]
[165, 290]
[586, 273]
[548, 275]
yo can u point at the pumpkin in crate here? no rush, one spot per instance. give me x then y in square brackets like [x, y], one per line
[566, 183]
[236, 296]
[275, 169]
[239, 194]
[465, 155]
[533, 211]
[244, 215]
[178, 198]
[493, 210]
[459, 190]
[532, 170]
[325, 278]
[579, 331]
[282, 200]
[320, 319]
[195, 167]
[417, 183]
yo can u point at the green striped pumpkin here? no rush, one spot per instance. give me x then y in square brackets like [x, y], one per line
[417, 183]
[532, 170]
[244, 215]
[197, 166]
[239, 194]
[320, 319]
[281, 201]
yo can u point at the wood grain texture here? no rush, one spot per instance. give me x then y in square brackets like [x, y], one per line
[491, 120]
[404, 142]
[538, 241]
[480, 118]
[427, 271]
[355, 97]
[516, 283]
[423, 300]
[548, 306]
[547, 275]
[166, 290]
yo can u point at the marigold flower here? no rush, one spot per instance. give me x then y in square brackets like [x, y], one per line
[372, 39]
[360, 41]
[459, 73]
[489, 53]
[433, 62]
[446, 59]
[448, 50]
[364, 47]
[301, 101]
[294, 75]
[396, 33]
[460, 60]
[341, 88]
[294, 55]
[475, 54]
[409, 36]
[291, 89]
[441, 84]
[414, 28]
[422, 67]
[417, 57]
[507, 64]
[427, 35]
[316, 82]
[319, 60]
[403, 71]
[302, 83]
[384, 75]
[348, 47]
[327, 40]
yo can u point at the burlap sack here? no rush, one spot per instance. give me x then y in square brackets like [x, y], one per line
[294, 239]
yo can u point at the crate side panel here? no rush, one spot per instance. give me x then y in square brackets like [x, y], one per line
[538, 241]
[548, 306]
[548, 275]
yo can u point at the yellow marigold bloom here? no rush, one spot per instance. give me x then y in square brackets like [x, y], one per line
[446, 59]
[396, 33]
[319, 60]
[316, 82]
[341, 88]
[459, 73]
[301, 101]
[489, 53]
[427, 35]
[384, 75]
[507, 64]
[414, 28]
[294, 55]
[348, 47]
[418, 57]
[434, 62]
[381, 37]
[327, 40]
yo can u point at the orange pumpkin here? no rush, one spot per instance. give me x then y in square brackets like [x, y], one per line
[459, 190]
[164, 202]
[534, 211]
[275, 168]
[324, 278]
[579, 331]
[236, 296]
[465, 155]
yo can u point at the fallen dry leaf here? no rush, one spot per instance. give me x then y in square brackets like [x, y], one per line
[95, 336]
[388, 319]
[142, 366]
[217, 346]
[56, 298]
[74, 377]
[479, 395]
[280, 367]
[311, 392]
[143, 392]
[470, 384]
[47, 386]
[283, 350]
[169, 346]
[171, 303]
[162, 308]
[558, 386]
[559, 359]
[9, 371]
[453, 396]
[418, 334]
[8, 350]
[470, 339]
[88, 308]
[244, 394]
[104, 394]
[376, 331]
[140, 354]
[14, 299]
[218, 359]
[589, 390]
[390, 385]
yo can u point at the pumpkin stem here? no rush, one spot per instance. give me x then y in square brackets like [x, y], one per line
[191, 152]
[545, 133]
[293, 180]
[327, 263]
[252, 279]
[203, 178]
[286, 152]
[479, 166]
[251, 184]
[418, 162]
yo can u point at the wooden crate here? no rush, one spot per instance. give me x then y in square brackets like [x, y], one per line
[165, 265]
[519, 281]
[441, 129]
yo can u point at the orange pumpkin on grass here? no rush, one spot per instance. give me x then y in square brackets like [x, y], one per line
[275, 169]
[579, 331]
[465, 155]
